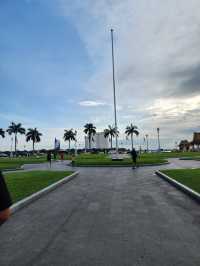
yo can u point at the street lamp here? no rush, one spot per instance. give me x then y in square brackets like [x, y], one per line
[147, 136]
[75, 143]
[114, 94]
[158, 131]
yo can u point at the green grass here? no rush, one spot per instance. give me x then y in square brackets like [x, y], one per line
[188, 177]
[102, 159]
[13, 163]
[146, 158]
[23, 184]
[180, 155]
[190, 154]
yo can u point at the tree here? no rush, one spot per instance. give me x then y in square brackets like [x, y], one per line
[184, 145]
[110, 132]
[130, 131]
[90, 130]
[33, 135]
[69, 135]
[2, 133]
[15, 129]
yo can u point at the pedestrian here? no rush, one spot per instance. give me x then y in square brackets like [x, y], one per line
[134, 157]
[49, 158]
[5, 200]
[62, 156]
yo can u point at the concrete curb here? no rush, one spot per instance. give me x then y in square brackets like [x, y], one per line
[193, 194]
[189, 159]
[28, 200]
[13, 169]
[10, 170]
[130, 165]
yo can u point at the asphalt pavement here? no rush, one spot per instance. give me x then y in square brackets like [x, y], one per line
[106, 216]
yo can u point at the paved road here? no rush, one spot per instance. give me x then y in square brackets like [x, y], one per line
[55, 165]
[176, 163]
[106, 216]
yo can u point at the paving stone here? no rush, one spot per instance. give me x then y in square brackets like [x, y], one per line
[106, 216]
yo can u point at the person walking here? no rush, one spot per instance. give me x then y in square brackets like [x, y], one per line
[49, 158]
[134, 156]
[5, 200]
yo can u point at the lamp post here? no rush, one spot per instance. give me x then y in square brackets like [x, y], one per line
[147, 136]
[114, 93]
[158, 131]
[75, 143]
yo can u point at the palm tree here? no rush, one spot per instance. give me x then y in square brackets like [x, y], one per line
[69, 135]
[184, 145]
[112, 132]
[2, 133]
[15, 129]
[90, 130]
[130, 130]
[34, 135]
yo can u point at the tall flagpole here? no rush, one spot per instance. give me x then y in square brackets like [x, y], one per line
[114, 93]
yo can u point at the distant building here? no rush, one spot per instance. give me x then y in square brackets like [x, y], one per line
[98, 141]
[56, 144]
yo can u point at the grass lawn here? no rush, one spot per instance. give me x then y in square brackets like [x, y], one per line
[145, 158]
[102, 159]
[23, 184]
[188, 155]
[13, 163]
[188, 177]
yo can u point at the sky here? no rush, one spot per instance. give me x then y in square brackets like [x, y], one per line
[56, 68]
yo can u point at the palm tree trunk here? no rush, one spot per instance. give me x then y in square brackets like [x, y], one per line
[15, 144]
[33, 146]
[89, 138]
[132, 140]
[111, 141]
[69, 144]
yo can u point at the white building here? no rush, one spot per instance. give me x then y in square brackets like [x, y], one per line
[98, 142]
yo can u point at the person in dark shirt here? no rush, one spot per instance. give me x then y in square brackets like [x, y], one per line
[134, 157]
[49, 158]
[5, 200]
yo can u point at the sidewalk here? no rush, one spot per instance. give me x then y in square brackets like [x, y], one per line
[106, 216]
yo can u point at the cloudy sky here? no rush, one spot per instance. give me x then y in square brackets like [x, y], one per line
[55, 67]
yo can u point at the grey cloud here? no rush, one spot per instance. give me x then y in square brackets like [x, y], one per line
[187, 82]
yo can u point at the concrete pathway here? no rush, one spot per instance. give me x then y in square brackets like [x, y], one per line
[176, 163]
[106, 216]
[55, 165]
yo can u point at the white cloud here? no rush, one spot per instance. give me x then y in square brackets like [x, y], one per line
[156, 43]
[156, 49]
[91, 103]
